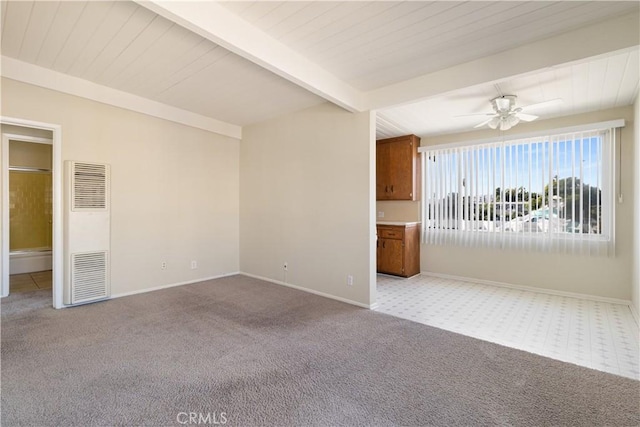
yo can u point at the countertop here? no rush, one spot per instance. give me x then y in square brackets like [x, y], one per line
[397, 223]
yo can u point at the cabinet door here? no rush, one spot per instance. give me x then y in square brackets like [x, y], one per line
[383, 171]
[401, 157]
[397, 168]
[390, 258]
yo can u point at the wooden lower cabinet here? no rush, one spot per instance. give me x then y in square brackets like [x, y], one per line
[398, 249]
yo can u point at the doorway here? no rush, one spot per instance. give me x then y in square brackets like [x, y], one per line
[30, 213]
[31, 184]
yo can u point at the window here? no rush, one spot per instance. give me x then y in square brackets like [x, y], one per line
[550, 192]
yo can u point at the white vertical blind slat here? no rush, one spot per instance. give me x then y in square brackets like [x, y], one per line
[589, 219]
[573, 195]
[423, 196]
[566, 188]
[581, 188]
[530, 203]
[486, 154]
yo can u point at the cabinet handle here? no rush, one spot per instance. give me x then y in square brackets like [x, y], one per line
[383, 243]
[392, 188]
[386, 188]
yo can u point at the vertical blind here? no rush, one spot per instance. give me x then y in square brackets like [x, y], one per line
[552, 192]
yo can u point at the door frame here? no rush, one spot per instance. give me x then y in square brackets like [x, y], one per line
[57, 220]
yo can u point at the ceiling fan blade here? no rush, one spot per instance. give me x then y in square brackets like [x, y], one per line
[526, 117]
[486, 122]
[542, 104]
[475, 114]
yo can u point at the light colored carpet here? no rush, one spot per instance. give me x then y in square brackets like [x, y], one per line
[268, 355]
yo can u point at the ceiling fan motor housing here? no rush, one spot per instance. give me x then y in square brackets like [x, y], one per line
[506, 115]
[504, 104]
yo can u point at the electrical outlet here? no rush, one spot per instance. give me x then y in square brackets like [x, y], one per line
[380, 214]
[285, 266]
[350, 280]
[194, 265]
[163, 266]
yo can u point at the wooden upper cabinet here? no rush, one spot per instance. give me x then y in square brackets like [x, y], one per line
[398, 168]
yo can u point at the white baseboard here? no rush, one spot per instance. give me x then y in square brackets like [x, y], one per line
[170, 285]
[311, 291]
[529, 288]
[634, 313]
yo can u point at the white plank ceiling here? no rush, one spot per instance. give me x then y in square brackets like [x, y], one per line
[367, 45]
[601, 83]
[124, 46]
[374, 44]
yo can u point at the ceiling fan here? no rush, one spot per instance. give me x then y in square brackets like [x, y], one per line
[506, 115]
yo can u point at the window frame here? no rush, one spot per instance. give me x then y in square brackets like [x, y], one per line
[607, 188]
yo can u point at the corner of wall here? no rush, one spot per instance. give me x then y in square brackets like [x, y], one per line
[306, 200]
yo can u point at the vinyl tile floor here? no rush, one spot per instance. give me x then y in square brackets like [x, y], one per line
[594, 334]
[30, 281]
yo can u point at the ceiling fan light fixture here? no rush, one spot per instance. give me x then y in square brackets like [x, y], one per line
[507, 122]
[493, 124]
[503, 103]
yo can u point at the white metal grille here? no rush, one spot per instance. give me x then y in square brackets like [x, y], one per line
[89, 186]
[89, 278]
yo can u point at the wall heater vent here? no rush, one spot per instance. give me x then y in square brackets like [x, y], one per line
[89, 191]
[87, 232]
[89, 277]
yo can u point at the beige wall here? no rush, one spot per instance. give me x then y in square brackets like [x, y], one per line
[174, 189]
[598, 276]
[306, 198]
[635, 294]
